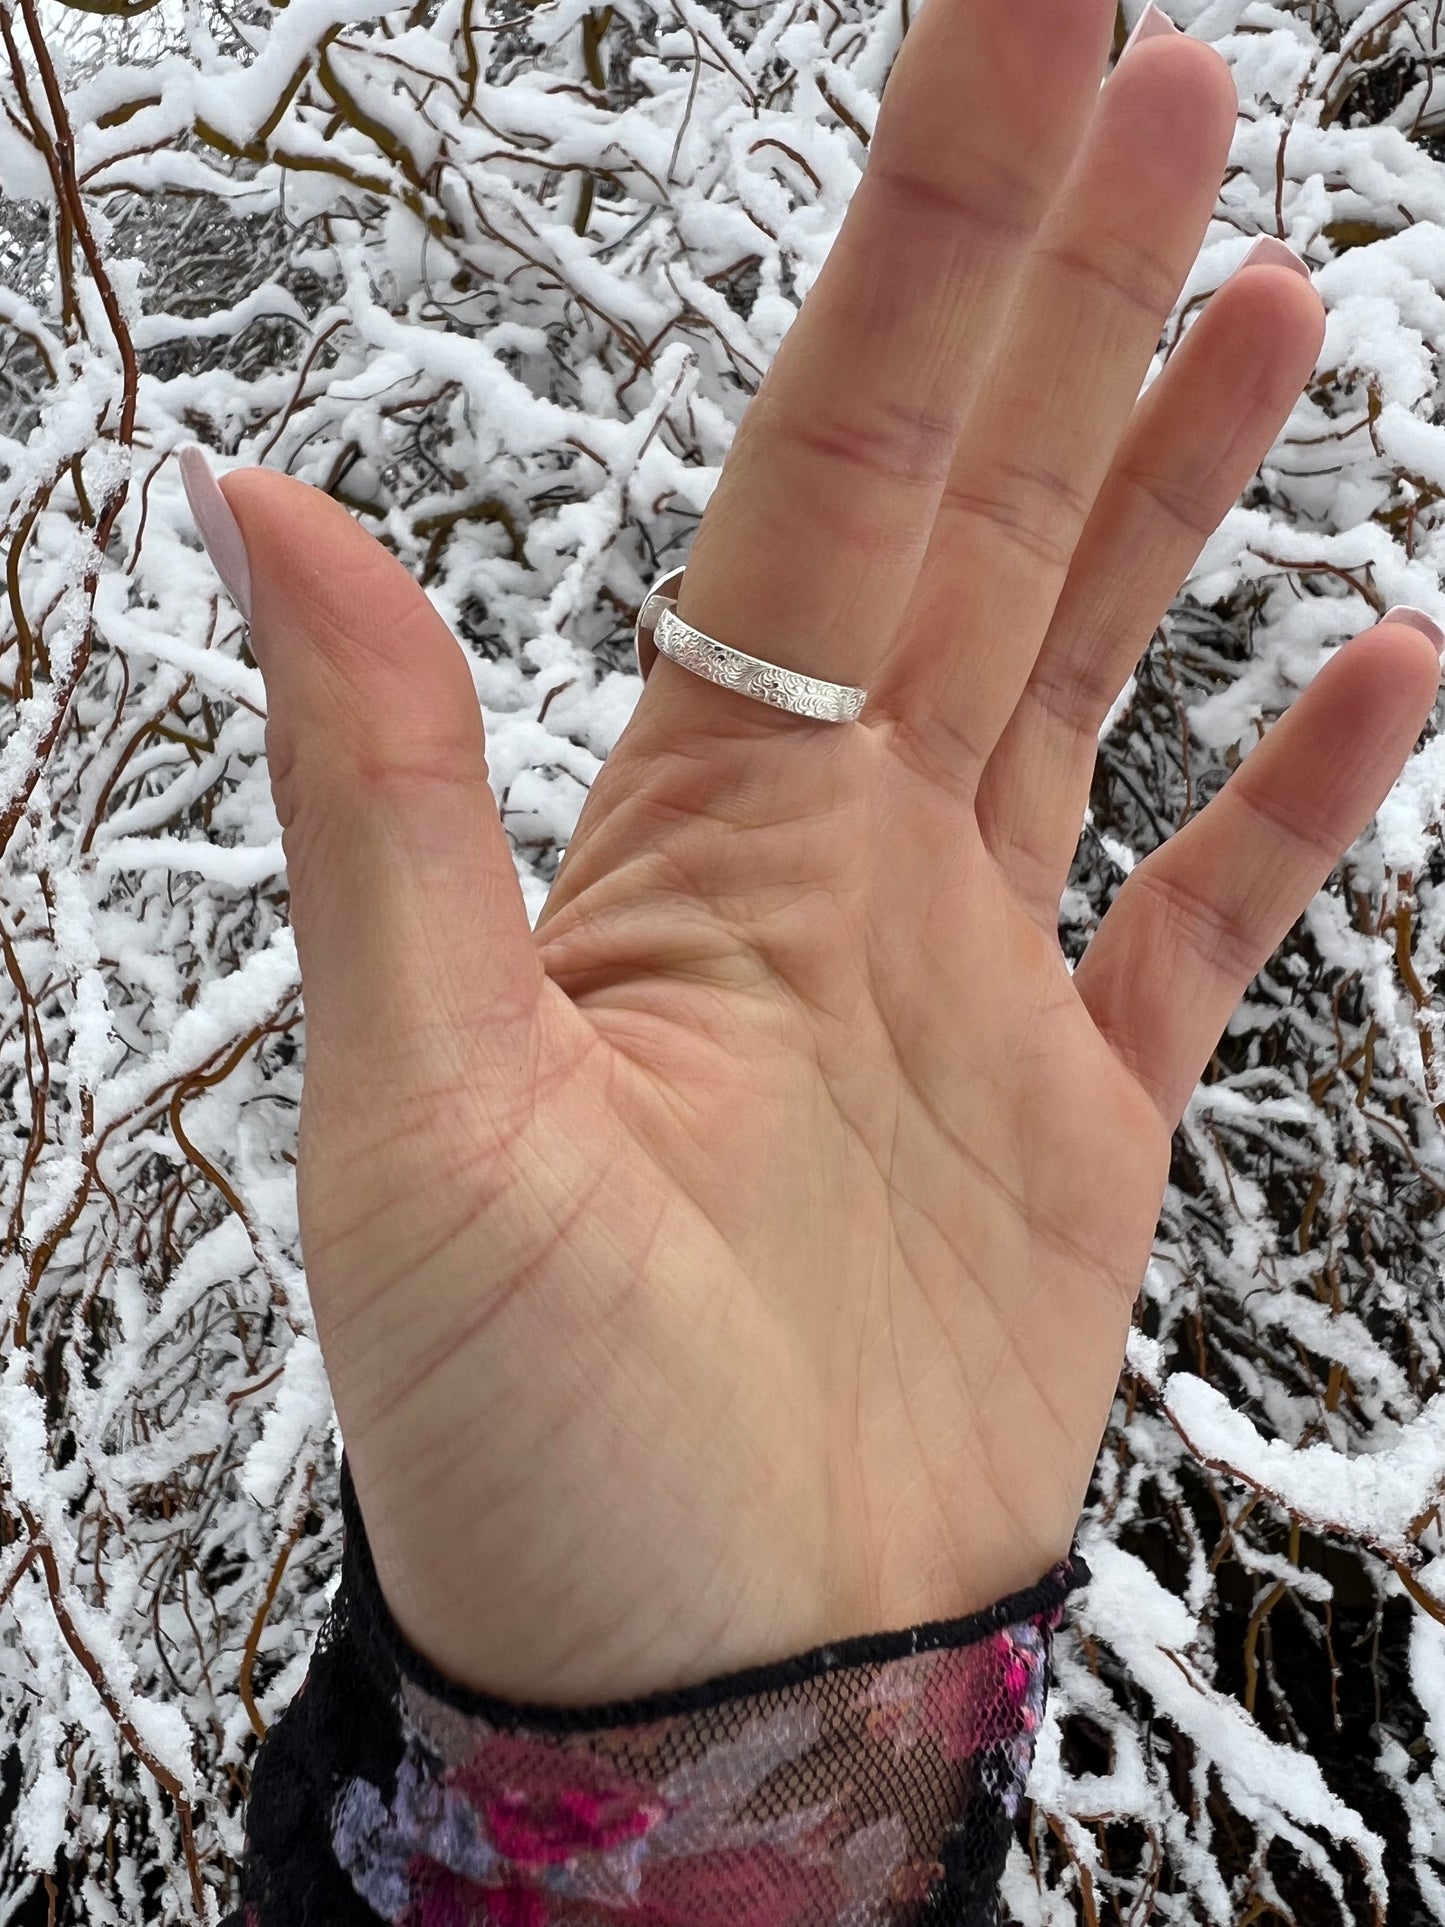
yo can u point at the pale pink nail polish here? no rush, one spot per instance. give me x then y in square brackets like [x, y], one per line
[1269, 252]
[1153, 20]
[1416, 619]
[217, 527]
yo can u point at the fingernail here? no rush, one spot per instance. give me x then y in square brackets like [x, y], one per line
[1268, 252]
[1151, 21]
[217, 527]
[1416, 619]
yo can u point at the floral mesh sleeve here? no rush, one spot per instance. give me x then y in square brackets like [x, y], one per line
[874, 1781]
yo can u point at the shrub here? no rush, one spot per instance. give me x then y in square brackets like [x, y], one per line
[501, 279]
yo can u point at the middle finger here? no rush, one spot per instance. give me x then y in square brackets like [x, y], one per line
[1106, 269]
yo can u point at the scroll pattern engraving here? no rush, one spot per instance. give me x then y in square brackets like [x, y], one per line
[827, 702]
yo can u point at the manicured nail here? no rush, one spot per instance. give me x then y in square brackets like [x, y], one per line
[1151, 21]
[1416, 619]
[1268, 252]
[217, 527]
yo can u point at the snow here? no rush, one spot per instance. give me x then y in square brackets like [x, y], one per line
[1126, 1606]
[301, 1407]
[467, 349]
[1374, 1498]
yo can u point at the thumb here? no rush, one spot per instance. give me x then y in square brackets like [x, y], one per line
[419, 968]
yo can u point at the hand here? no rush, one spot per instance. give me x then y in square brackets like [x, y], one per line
[743, 1260]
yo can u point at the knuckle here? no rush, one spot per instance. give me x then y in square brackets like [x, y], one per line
[282, 763]
[1181, 503]
[897, 445]
[1074, 696]
[1131, 276]
[1003, 203]
[1033, 507]
[1222, 936]
[1284, 828]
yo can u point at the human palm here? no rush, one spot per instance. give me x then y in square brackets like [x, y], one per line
[742, 1258]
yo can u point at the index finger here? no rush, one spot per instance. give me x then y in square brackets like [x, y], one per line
[817, 527]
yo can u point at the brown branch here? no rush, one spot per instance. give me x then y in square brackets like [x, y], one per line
[95, 1672]
[65, 156]
[253, 1638]
[312, 352]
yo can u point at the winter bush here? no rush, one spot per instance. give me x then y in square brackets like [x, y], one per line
[501, 278]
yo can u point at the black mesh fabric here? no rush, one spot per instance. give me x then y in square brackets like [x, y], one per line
[872, 1783]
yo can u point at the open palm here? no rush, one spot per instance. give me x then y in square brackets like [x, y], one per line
[743, 1258]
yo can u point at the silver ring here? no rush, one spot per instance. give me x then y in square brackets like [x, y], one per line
[661, 631]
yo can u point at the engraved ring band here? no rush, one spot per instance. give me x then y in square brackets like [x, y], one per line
[661, 631]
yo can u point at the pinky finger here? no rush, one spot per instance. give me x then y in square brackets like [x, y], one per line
[1195, 922]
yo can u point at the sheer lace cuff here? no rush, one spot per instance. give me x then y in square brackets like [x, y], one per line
[871, 1783]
